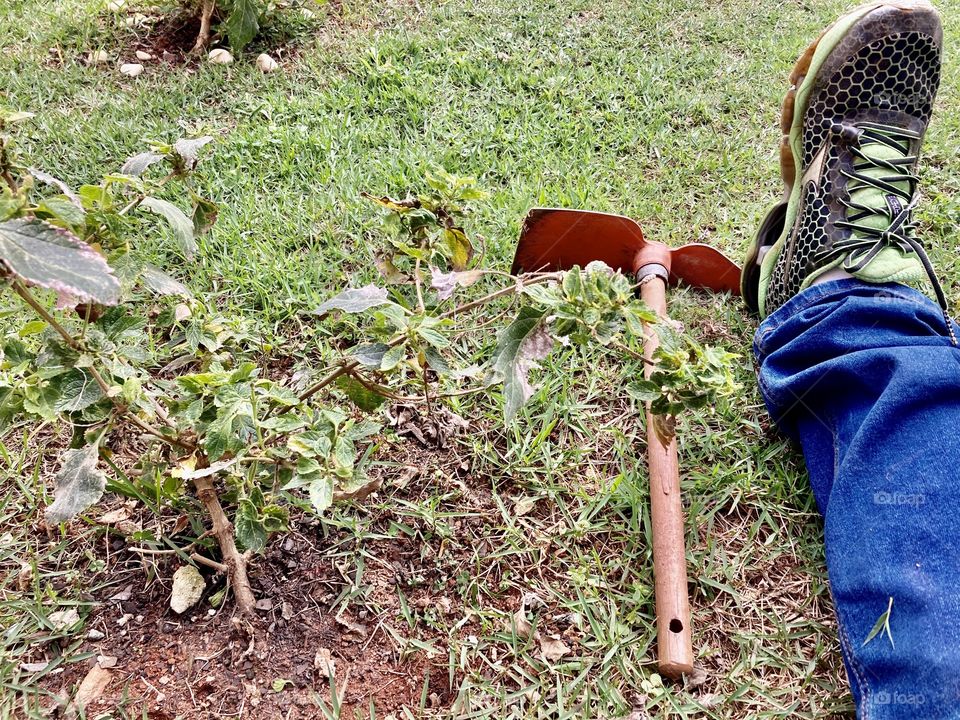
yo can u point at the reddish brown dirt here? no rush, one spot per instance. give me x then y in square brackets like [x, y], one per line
[201, 666]
[170, 38]
[210, 663]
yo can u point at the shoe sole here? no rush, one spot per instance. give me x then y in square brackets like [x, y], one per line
[802, 78]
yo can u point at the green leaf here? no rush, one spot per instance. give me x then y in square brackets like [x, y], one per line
[205, 213]
[362, 430]
[48, 257]
[321, 493]
[359, 394]
[311, 443]
[77, 391]
[355, 300]
[60, 208]
[644, 390]
[243, 23]
[159, 282]
[519, 346]
[78, 484]
[344, 456]
[370, 354]
[93, 196]
[11, 203]
[275, 518]
[179, 223]
[14, 353]
[392, 357]
[393, 315]
[33, 327]
[280, 395]
[435, 360]
[433, 337]
[286, 423]
[232, 427]
[138, 163]
[460, 249]
[882, 624]
[249, 528]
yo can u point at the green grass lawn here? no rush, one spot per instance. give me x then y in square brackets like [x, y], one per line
[666, 112]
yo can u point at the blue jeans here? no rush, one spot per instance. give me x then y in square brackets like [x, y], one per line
[864, 377]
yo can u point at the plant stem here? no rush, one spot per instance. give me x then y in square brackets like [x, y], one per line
[426, 390]
[30, 300]
[219, 567]
[321, 384]
[417, 282]
[354, 364]
[8, 178]
[236, 564]
[516, 288]
[632, 353]
[203, 37]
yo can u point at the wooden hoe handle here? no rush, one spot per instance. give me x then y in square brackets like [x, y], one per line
[669, 558]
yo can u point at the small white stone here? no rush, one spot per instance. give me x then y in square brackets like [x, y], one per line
[266, 63]
[98, 57]
[63, 619]
[116, 5]
[95, 635]
[143, 55]
[131, 69]
[219, 56]
[188, 587]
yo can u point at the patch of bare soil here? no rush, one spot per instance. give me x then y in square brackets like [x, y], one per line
[320, 607]
[170, 37]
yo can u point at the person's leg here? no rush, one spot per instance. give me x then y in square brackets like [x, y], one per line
[865, 377]
[864, 372]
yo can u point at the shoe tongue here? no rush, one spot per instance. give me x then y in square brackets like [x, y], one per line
[872, 197]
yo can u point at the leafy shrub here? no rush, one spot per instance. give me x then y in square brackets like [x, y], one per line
[129, 348]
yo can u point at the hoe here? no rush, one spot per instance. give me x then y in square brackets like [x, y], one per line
[553, 240]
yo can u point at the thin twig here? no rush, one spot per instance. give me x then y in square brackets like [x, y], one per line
[203, 36]
[418, 281]
[631, 352]
[30, 300]
[219, 567]
[521, 282]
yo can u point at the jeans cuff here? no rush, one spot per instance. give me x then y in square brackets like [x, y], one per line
[829, 291]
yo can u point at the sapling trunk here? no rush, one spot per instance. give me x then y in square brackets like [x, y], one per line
[203, 37]
[222, 529]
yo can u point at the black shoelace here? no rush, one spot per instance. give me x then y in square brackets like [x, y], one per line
[865, 241]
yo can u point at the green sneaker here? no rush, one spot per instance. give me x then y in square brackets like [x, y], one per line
[853, 122]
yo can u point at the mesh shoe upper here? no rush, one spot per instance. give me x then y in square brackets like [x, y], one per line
[865, 114]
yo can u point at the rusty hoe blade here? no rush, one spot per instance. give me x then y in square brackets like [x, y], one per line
[557, 239]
